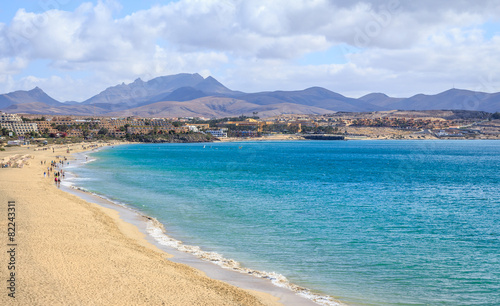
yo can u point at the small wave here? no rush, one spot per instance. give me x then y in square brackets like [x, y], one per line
[157, 231]
[89, 160]
[81, 189]
[67, 183]
[114, 202]
[82, 179]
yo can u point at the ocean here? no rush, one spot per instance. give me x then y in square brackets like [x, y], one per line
[366, 222]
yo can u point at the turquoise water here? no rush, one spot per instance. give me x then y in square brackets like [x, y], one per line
[368, 222]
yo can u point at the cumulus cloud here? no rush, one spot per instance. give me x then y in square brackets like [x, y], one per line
[393, 45]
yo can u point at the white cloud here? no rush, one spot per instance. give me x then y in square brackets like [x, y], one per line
[403, 47]
[460, 58]
[13, 65]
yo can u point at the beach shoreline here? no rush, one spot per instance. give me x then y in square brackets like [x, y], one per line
[89, 244]
[212, 264]
[70, 251]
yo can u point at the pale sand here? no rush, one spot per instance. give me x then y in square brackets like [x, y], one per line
[73, 252]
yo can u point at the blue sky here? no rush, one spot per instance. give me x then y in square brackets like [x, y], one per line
[75, 49]
[9, 8]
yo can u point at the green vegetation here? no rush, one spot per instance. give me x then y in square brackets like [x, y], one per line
[62, 128]
[4, 132]
[102, 131]
[171, 137]
[215, 122]
[33, 120]
[32, 134]
[280, 128]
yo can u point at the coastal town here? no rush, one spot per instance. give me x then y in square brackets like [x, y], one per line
[376, 125]
[18, 129]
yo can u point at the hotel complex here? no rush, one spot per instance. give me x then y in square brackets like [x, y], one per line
[14, 123]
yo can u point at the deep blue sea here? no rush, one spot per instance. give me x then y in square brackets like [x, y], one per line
[368, 222]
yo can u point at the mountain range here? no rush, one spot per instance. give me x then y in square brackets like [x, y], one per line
[191, 95]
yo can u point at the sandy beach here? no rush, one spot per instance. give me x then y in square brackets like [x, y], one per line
[66, 250]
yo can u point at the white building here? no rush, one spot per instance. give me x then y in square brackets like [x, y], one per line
[9, 118]
[14, 123]
[193, 128]
[21, 128]
[218, 133]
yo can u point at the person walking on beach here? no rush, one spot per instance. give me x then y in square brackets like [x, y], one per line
[44, 174]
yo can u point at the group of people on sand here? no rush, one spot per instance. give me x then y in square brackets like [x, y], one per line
[54, 165]
[58, 177]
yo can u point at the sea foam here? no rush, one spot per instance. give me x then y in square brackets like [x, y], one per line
[156, 230]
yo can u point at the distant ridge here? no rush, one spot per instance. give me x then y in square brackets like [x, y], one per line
[218, 107]
[450, 99]
[185, 94]
[21, 96]
[140, 92]
[379, 99]
[314, 96]
[212, 86]
[192, 95]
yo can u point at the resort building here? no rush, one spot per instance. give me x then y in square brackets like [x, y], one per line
[46, 126]
[75, 133]
[200, 126]
[221, 133]
[147, 129]
[249, 122]
[141, 130]
[15, 124]
[21, 128]
[9, 118]
[62, 121]
[117, 133]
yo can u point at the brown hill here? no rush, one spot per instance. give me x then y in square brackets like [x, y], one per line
[22, 96]
[192, 95]
[216, 107]
[42, 108]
